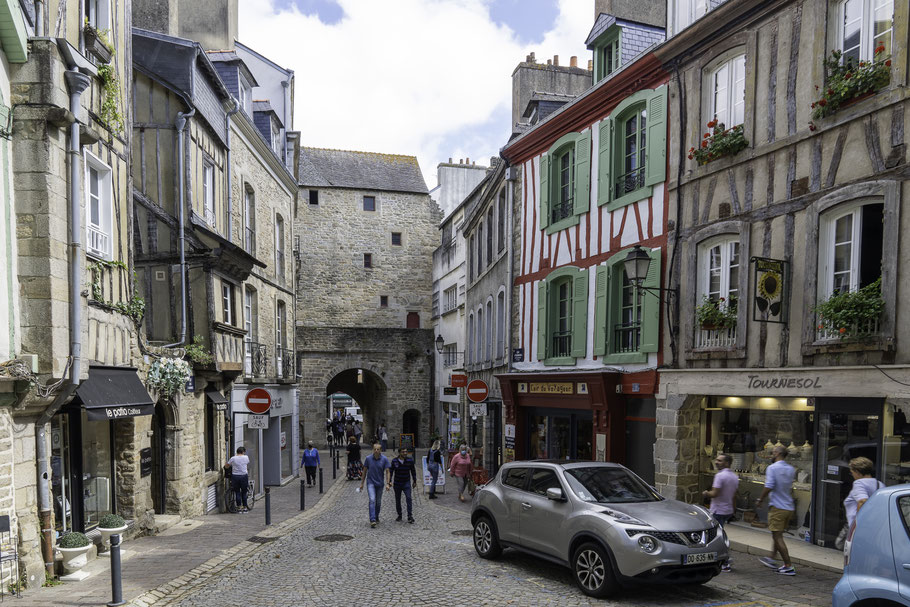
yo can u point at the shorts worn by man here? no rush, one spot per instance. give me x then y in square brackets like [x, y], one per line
[779, 478]
[376, 476]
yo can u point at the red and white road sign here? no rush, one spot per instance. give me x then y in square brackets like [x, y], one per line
[458, 380]
[258, 401]
[477, 391]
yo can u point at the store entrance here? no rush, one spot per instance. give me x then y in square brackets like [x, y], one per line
[560, 434]
[841, 437]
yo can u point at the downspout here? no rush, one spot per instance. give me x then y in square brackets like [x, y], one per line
[182, 118]
[77, 82]
[230, 190]
[510, 192]
[39, 18]
[673, 308]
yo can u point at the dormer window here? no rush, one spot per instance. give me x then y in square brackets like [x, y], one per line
[683, 13]
[276, 138]
[246, 96]
[607, 56]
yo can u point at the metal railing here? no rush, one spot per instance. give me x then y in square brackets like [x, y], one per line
[255, 360]
[98, 241]
[249, 240]
[627, 338]
[629, 182]
[561, 210]
[715, 338]
[562, 343]
[285, 363]
[857, 330]
[451, 359]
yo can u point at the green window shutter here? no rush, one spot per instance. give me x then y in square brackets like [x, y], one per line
[544, 191]
[604, 160]
[614, 273]
[656, 146]
[580, 314]
[650, 321]
[600, 311]
[543, 334]
[582, 173]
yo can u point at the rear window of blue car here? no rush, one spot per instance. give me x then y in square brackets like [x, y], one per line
[903, 504]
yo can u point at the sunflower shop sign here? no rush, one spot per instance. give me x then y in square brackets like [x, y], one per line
[771, 292]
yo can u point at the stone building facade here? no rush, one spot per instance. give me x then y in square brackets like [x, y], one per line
[371, 277]
[777, 237]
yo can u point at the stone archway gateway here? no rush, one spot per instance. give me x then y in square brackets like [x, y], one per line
[369, 392]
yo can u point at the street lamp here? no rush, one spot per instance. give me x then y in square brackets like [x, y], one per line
[636, 265]
[440, 342]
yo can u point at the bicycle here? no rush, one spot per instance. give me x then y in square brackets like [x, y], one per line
[230, 499]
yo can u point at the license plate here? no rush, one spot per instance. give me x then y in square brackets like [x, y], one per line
[697, 559]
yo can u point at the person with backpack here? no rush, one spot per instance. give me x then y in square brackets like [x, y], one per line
[864, 485]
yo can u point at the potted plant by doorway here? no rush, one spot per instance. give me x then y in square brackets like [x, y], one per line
[108, 526]
[73, 547]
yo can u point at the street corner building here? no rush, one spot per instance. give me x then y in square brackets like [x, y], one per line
[369, 228]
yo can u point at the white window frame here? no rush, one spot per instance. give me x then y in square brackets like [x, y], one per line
[868, 40]
[684, 13]
[227, 303]
[500, 323]
[246, 95]
[249, 219]
[208, 193]
[828, 223]
[279, 248]
[488, 350]
[704, 267]
[99, 235]
[469, 346]
[98, 13]
[450, 299]
[249, 315]
[728, 91]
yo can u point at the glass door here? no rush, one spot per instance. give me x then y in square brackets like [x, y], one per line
[841, 437]
[60, 473]
[560, 434]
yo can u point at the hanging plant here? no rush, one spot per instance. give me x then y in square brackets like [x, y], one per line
[110, 103]
[168, 375]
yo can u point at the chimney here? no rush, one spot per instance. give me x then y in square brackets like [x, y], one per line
[590, 65]
[556, 60]
[533, 58]
[549, 62]
[461, 161]
[450, 160]
[573, 61]
[467, 160]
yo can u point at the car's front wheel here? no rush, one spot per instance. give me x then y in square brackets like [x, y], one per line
[486, 540]
[592, 570]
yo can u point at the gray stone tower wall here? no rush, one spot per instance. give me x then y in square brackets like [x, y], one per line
[211, 23]
[652, 13]
[530, 77]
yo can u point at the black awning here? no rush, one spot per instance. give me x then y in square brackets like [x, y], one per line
[217, 398]
[114, 393]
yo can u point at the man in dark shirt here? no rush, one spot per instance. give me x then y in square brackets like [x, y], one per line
[403, 474]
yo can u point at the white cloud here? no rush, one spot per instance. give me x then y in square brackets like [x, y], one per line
[417, 77]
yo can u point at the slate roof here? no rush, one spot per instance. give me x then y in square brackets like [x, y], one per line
[231, 57]
[604, 21]
[537, 97]
[361, 170]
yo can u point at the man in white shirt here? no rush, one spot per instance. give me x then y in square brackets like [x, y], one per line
[240, 479]
[779, 478]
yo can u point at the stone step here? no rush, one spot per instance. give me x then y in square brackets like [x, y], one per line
[164, 522]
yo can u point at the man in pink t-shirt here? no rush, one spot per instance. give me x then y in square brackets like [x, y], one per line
[722, 493]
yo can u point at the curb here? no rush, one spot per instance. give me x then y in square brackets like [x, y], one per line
[231, 557]
[749, 549]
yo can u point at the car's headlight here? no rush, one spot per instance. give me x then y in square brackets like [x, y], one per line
[622, 517]
[648, 544]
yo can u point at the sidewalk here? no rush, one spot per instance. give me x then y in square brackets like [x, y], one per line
[152, 561]
[758, 542]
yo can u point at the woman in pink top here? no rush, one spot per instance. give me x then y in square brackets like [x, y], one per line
[461, 468]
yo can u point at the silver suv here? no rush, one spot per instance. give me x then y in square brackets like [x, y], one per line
[601, 520]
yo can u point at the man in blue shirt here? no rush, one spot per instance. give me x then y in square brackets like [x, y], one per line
[377, 476]
[779, 478]
[403, 473]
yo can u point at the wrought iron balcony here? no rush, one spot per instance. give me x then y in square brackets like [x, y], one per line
[285, 363]
[562, 343]
[98, 241]
[629, 182]
[561, 210]
[627, 337]
[256, 360]
[869, 328]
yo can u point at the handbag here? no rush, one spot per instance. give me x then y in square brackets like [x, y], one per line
[472, 487]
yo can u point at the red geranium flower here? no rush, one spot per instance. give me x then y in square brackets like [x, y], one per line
[842, 330]
[712, 124]
[848, 75]
[704, 144]
[888, 63]
[707, 135]
[822, 102]
[691, 156]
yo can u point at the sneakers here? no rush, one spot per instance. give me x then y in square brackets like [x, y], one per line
[410, 519]
[726, 567]
[398, 519]
[770, 563]
[372, 524]
[785, 570]
[432, 497]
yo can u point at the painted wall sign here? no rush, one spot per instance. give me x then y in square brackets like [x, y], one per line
[518, 355]
[447, 391]
[552, 388]
[784, 382]
[145, 461]
[771, 299]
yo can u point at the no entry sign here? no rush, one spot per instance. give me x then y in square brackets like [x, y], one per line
[258, 401]
[477, 391]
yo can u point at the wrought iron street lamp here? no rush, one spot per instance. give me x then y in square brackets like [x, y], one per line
[636, 265]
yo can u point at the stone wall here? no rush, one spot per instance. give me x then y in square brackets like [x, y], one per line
[676, 448]
[397, 361]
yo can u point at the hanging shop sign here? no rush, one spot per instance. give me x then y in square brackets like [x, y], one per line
[447, 391]
[770, 286]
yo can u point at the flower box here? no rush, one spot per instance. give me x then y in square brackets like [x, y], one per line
[848, 82]
[96, 44]
[718, 143]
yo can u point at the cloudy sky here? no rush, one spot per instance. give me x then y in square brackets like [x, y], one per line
[430, 78]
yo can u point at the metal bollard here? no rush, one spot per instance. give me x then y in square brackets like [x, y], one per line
[116, 582]
[320, 479]
[302, 495]
[268, 507]
[334, 467]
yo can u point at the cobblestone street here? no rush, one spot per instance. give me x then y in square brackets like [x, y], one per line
[432, 562]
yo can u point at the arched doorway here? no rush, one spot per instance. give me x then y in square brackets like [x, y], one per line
[368, 391]
[410, 422]
[159, 459]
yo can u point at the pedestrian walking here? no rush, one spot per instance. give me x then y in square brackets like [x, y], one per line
[461, 468]
[722, 492]
[434, 465]
[383, 436]
[376, 477]
[355, 467]
[309, 462]
[240, 479]
[403, 475]
[864, 485]
[779, 485]
[358, 431]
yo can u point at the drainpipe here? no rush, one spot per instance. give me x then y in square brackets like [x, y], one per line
[230, 190]
[181, 122]
[39, 18]
[77, 82]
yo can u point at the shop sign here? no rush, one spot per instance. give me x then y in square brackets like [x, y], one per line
[785, 382]
[118, 412]
[447, 391]
[406, 441]
[458, 380]
[552, 388]
[145, 461]
[221, 406]
[258, 422]
[510, 438]
[478, 409]
[771, 299]
[518, 355]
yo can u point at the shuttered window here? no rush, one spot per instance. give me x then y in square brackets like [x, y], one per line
[562, 316]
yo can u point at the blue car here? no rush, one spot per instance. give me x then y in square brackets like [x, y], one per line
[877, 553]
